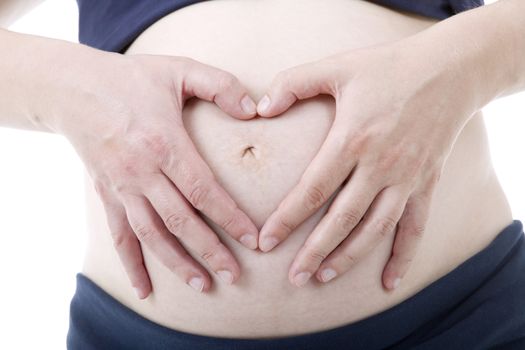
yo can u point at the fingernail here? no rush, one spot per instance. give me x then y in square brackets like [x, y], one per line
[138, 292]
[226, 276]
[268, 243]
[301, 278]
[248, 106]
[396, 283]
[197, 283]
[264, 103]
[327, 274]
[249, 241]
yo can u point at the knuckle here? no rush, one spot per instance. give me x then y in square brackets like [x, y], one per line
[183, 64]
[149, 145]
[415, 155]
[283, 79]
[314, 197]
[355, 142]
[211, 252]
[121, 187]
[415, 231]
[130, 166]
[388, 160]
[227, 81]
[119, 238]
[316, 256]
[284, 224]
[176, 223]
[385, 225]
[154, 142]
[144, 233]
[207, 255]
[435, 176]
[184, 60]
[348, 259]
[347, 220]
[104, 191]
[99, 188]
[227, 223]
[168, 157]
[199, 194]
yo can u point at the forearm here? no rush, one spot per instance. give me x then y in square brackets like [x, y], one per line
[11, 10]
[484, 48]
[40, 79]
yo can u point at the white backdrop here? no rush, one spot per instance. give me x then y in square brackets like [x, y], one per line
[42, 211]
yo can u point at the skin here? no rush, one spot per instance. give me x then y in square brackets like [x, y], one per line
[399, 109]
[152, 181]
[145, 168]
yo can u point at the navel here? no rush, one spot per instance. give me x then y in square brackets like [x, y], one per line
[249, 151]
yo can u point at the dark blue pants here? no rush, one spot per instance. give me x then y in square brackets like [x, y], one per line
[478, 305]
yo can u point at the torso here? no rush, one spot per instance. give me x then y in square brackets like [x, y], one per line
[254, 40]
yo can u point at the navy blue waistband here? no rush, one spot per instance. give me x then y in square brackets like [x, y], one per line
[478, 305]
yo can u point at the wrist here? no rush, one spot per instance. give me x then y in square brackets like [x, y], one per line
[45, 80]
[80, 80]
[482, 57]
[72, 80]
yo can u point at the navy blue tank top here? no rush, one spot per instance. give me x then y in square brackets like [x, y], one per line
[112, 25]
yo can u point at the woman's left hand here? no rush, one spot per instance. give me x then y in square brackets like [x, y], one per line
[399, 110]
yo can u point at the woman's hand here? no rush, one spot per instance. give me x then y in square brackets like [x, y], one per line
[398, 113]
[125, 123]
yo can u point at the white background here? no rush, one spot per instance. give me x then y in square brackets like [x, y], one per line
[42, 211]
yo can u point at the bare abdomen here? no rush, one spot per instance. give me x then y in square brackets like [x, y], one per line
[254, 40]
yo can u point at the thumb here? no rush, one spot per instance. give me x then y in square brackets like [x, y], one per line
[297, 83]
[217, 86]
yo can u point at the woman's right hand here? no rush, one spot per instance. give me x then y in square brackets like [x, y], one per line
[124, 118]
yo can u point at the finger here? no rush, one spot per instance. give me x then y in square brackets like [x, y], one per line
[218, 86]
[194, 179]
[329, 168]
[379, 222]
[126, 245]
[342, 217]
[300, 82]
[181, 220]
[410, 231]
[163, 244]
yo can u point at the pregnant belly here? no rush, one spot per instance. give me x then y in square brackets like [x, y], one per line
[259, 161]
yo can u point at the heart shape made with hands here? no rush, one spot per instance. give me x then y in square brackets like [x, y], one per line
[387, 181]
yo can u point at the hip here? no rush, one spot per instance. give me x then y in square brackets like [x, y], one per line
[479, 305]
